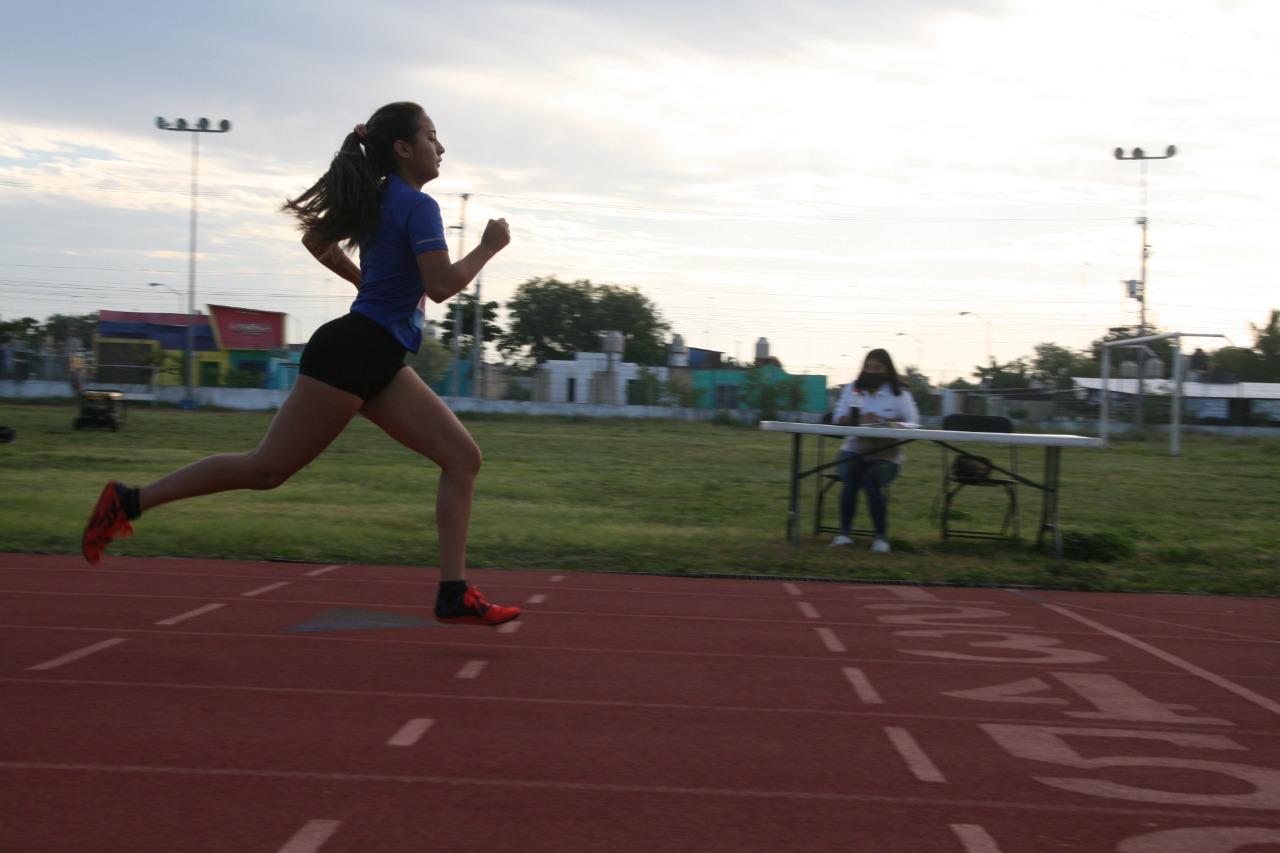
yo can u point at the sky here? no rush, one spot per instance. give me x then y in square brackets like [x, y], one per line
[829, 175]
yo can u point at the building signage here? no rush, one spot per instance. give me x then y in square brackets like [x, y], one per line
[246, 329]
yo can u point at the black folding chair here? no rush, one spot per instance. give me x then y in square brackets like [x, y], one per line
[964, 470]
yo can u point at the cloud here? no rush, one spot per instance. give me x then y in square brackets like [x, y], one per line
[804, 160]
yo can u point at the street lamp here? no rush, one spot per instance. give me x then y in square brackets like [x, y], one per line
[201, 126]
[919, 350]
[1138, 287]
[171, 290]
[990, 362]
[177, 294]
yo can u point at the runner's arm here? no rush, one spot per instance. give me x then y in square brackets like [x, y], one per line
[333, 258]
[442, 278]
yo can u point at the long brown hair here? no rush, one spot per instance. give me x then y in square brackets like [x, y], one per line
[345, 204]
[890, 372]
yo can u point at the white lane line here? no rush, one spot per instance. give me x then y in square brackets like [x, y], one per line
[863, 686]
[471, 669]
[509, 627]
[557, 578]
[536, 599]
[1064, 810]
[411, 732]
[311, 837]
[323, 571]
[830, 640]
[917, 762]
[268, 588]
[80, 653]
[908, 593]
[1186, 666]
[974, 838]
[791, 588]
[190, 614]
[809, 611]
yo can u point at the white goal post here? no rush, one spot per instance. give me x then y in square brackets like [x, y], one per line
[1175, 417]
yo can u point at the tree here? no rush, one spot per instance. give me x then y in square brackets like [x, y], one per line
[60, 328]
[1266, 340]
[552, 320]
[490, 331]
[244, 379]
[67, 327]
[769, 391]
[1244, 364]
[1163, 349]
[431, 361]
[167, 363]
[1014, 374]
[1052, 362]
[646, 389]
[631, 313]
[26, 332]
[920, 387]
[548, 319]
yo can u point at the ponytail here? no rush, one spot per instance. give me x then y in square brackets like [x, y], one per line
[345, 204]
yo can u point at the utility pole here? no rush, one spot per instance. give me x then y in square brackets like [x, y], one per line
[477, 344]
[1138, 288]
[456, 372]
[201, 126]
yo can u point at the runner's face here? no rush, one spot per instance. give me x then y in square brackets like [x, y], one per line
[422, 159]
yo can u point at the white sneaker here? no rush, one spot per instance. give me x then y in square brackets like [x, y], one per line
[840, 541]
[880, 546]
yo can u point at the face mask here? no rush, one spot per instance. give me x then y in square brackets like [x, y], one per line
[870, 381]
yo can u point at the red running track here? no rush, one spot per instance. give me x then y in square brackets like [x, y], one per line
[162, 706]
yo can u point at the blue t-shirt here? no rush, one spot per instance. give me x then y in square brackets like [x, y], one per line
[391, 291]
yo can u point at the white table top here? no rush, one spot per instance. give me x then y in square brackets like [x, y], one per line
[1026, 439]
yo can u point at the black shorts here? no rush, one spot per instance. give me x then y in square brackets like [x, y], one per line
[353, 354]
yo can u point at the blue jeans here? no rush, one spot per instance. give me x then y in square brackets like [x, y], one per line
[868, 475]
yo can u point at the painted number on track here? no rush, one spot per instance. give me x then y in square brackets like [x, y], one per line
[1111, 698]
[1049, 744]
[1031, 648]
[942, 614]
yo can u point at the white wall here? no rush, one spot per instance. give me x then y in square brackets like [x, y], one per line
[588, 370]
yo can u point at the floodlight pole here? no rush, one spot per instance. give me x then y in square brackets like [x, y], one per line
[1140, 291]
[201, 126]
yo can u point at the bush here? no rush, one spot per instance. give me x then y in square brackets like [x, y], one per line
[1097, 547]
[1079, 577]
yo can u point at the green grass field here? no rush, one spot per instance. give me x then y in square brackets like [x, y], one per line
[654, 496]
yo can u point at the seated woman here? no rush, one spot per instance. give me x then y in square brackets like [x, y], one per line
[879, 396]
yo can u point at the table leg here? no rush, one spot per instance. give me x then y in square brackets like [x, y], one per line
[793, 511]
[1049, 519]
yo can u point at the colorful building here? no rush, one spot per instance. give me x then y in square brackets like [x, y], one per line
[242, 347]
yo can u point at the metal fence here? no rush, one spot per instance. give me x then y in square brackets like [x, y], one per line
[76, 369]
[48, 366]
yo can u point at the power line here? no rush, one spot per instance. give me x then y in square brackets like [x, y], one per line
[619, 208]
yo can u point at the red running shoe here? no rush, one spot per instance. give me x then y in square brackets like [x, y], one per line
[470, 608]
[107, 522]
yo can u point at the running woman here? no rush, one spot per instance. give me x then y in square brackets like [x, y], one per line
[370, 198]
